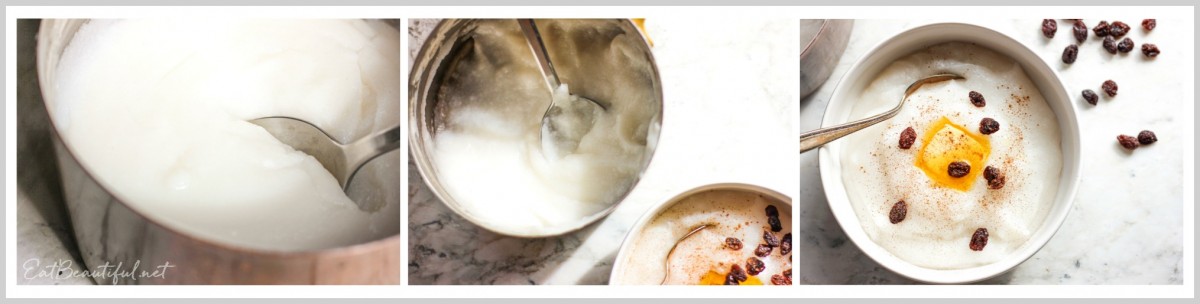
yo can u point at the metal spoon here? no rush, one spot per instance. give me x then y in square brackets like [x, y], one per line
[819, 137]
[566, 120]
[667, 259]
[342, 160]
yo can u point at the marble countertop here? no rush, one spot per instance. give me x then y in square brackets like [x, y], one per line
[723, 122]
[1126, 223]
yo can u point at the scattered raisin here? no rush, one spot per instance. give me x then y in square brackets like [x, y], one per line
[907, 138]
[1110, 88]
[994, 177]
[772, 211]
[1126, 45]
[959, 168]
[785, 245]
[1080, 30]
[737, 274]
[1101, 29]
[771, 239]
[1149, 24]
[899, 211]
[1150, 50]
[787, 273]
[754, 266]
[1129, 142]
[762, 250]
[781, 280]
[988, 126]
[977, 99]
[1110, 45]
[733, 243]
[1049, 27]
[979, 239]
[1118, 29]
[1147, 137]
[1070, 53]
[1090, 96]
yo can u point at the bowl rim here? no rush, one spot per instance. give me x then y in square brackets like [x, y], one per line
[625, 249]
[1056, 97]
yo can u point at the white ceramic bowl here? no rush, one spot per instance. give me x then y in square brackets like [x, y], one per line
[878, 58]
[634, 233]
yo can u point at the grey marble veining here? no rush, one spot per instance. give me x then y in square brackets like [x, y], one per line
[1126, 224]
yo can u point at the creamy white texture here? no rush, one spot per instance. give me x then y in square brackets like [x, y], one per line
[734, 213]
[940, 221]
[157, 110]
[488, 150]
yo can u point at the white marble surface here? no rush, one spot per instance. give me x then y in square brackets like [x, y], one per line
[1126, 224]
[726, 119]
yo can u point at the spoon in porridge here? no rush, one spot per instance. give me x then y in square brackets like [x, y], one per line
[819, 137]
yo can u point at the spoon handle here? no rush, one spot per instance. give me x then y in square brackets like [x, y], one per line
[819, 137]
[363, 150]
[534, 38]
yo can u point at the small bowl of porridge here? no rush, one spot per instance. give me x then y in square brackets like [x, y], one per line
[973, 176]
[720, 234]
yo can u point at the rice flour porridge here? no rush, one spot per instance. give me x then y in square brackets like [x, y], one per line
[157, 111]
[487, 147]
[943, 212]
[706, 258]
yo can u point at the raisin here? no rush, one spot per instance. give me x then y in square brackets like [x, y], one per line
[1049, 27]
[780, 280]
[988, 126]
[787, 273]
[979, 239]
[785, 245]
[899, 211]
[994, 177]
[730, 280]
[1149, 24]
[773, 218]
[754, 266]
[977, 99]
[733, 243]
[1110, 45]
[1090, 96]
[1150, 50]
[772, 211]
[738, 273]
[1080, 30]
[1070, 53]
[959, 168]
[1101, 29]
[762, 250]
[1125, 45]
[1147, 137]
[1129, 142]
[1110, 88]
[1118, 29]
[776, 226]
[771, 239]
[907, 138]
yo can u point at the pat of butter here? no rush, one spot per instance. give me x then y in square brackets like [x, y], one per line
[946, 142]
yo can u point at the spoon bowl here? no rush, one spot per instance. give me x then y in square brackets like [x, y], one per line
[342, 160]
